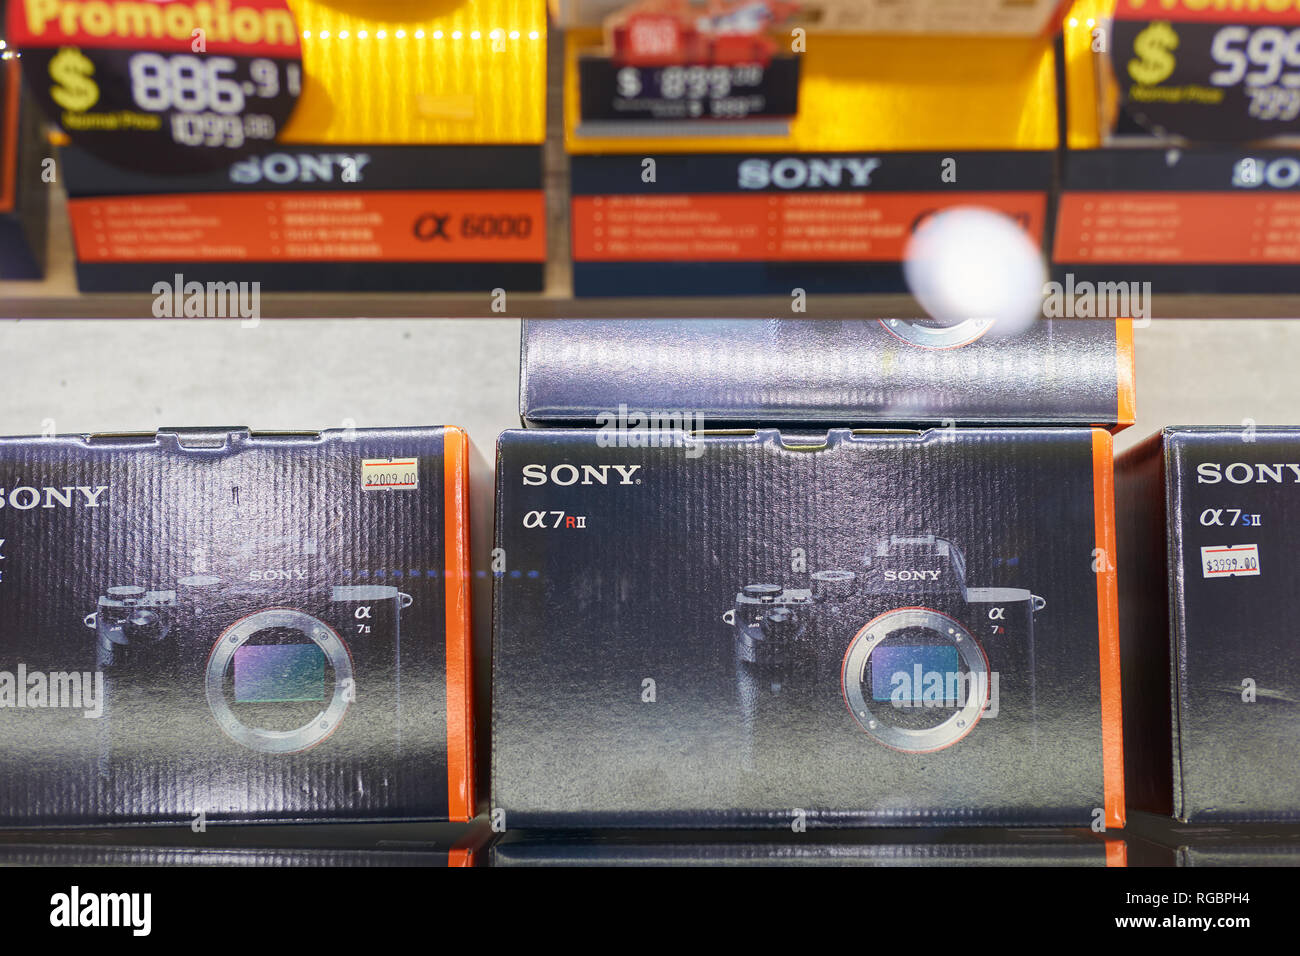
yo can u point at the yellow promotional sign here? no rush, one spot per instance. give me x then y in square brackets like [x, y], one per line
[421, 72]
[880, 92]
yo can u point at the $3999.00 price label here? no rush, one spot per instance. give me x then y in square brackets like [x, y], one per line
[162, 87]
[1226, 561]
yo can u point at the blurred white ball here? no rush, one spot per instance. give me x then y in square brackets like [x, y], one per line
[970, 262]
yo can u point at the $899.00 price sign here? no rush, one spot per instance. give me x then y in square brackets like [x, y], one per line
[166, 87]
[1208, 75]
[688, 91]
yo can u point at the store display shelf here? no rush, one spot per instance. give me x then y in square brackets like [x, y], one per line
[17, 305]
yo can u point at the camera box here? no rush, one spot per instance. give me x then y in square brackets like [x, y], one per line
[24, 196]
[1182, 844]
[777, 629]
[295, 845]
[1208, 520]
[721, 373]
[409, 158]
[917, 846]
[222, 625]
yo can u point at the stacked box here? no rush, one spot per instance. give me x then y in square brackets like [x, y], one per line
[704, 374]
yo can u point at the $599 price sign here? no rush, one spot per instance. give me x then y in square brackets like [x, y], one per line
[1207, 74]
[162, 87]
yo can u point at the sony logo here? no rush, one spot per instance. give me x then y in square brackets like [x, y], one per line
[1243, 473]
[908, 575]
[302, 168]
[795, 173]
[25, 497]
[278, 574]
[537, 474]
[1251, 173]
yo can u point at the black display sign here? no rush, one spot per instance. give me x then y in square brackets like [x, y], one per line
[681, 92]
[166, 87]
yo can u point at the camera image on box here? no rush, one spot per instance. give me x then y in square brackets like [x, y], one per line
[916, 657]
[276, 679]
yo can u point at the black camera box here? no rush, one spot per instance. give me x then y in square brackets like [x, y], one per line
[804, 371]
[783, 629]
[915, 846]
[210, 625]
[1209, 517]
[290, 844]
[1195, 844]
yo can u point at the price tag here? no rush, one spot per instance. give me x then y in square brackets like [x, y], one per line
[1200, 73]
[389, 474]
[162, 87]
[735, 91]
[1227, 561]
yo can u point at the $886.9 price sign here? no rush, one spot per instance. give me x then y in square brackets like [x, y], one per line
[162, 87]
[1207, 74]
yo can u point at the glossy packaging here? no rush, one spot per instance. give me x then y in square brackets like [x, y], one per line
[1162, 841]
[221, 625]
[776, 629]
[721, 373]
[1208, 518]
[285, 845]
[885, 848]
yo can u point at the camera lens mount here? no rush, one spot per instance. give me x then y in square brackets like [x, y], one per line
[878, 718]
[937, 336]
[279, 741]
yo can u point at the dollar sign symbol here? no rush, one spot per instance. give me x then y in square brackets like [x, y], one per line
[71, 71]
[629, 83]
[1154, 47]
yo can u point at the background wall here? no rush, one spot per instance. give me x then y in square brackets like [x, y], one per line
[123, 375]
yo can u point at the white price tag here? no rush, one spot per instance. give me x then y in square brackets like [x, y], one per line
[389, 474]
[1227, 561]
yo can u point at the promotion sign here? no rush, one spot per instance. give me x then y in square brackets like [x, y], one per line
[163, 86]
[1209, 71]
